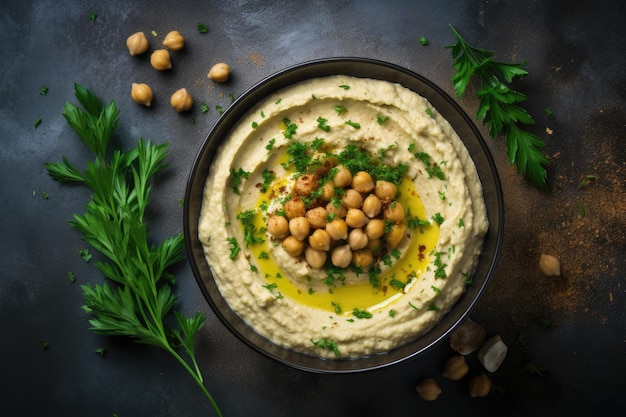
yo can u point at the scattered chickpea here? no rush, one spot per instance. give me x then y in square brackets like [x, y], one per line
[385, 190]
[293, 246]
[355, 218]
[341, 256]
[320, 240]
[181, 100]
[372, 206]
[305, 185]
[352, 199]
[278, 226]
[295, 208]
[363, 258]
[315, 258]
[357, 239]
[337, 229]
[137, 43]
[428, 389]
[480, 385]
[549, 265]
[363, 182]
[160, 60]
[339, 211]
[299, 227]
[375, 228]
[141, 93]
[394, 212]
[468, 337]
[219, 72]
[343, 177]
[317, 217]
[174, 41]
[395, 235]
[456, 368]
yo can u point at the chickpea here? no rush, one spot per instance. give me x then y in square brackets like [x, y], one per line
[326, 163]
[357, 239]
[174, 41]
[394, 212]
[550, 265]
[315, 258]
[328, 191]
[363, 258]
[428, 389]
[137, 43]
[480, 385]
[299, 227]
[395, 236]
[455, 368]
[385, 190]
[160, 60]
[352, 199]
[372, 206]
[339, 211]
[141, 94]
[337, 229]
[356, 218]
[376, 246]
[341, 256]
[363, 182]
[317, 217]
[181, 100]
[293, 246]
[306, 184]
[320, 240]
[375, 228]
[278, 226]
[219, 72]
[295, 208]
[343, 177]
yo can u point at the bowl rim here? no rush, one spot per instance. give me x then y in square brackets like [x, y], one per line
[367, 68]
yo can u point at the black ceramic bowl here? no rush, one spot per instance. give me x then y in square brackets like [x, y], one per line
[358, 67]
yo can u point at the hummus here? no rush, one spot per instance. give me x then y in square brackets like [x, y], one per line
[313, 128]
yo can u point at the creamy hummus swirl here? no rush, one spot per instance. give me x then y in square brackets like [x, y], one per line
[298, 307]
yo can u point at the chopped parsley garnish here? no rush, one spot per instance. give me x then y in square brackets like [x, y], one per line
[339, 109]
[358, 159]
[268, 177]
[336, 307]
[361, 314]
[392, 313]
[255, 125]
[345, 87]
[433, 307]
[381, 119]
[321, 123]
[71, 276]
[549, 113]
[327, 344]
[93, 16]
[204, 107]
[440, 271]
[234, 247]
[423, 41]
[429, 111]
[270, 144]
[273, 289]
[251, 235]
[469, 279]
[290, 128]
[461, 223]
[437, 218]
[219, 109]
[202, 28]
[353, 124]
[37, 122]
[43, 91]
[236, 177]
[84, 253]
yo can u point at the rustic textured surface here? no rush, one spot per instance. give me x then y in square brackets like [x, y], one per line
[575, 57]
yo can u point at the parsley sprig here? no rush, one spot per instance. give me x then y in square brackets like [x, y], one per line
[139, 296]
[499, 107]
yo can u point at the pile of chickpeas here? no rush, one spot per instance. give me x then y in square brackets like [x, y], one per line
[367, 221]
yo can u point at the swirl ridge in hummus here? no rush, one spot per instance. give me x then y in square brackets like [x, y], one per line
[299, 307]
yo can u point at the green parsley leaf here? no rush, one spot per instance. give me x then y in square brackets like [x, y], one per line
[498, 108]
[202, 28]
[339, 109]
[204, 107]
[353, 124]
[345, 87]
[327, 344]
[423, 40]
[361, 314]
[137, 296]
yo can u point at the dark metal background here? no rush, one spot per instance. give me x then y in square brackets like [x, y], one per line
[575, 57]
